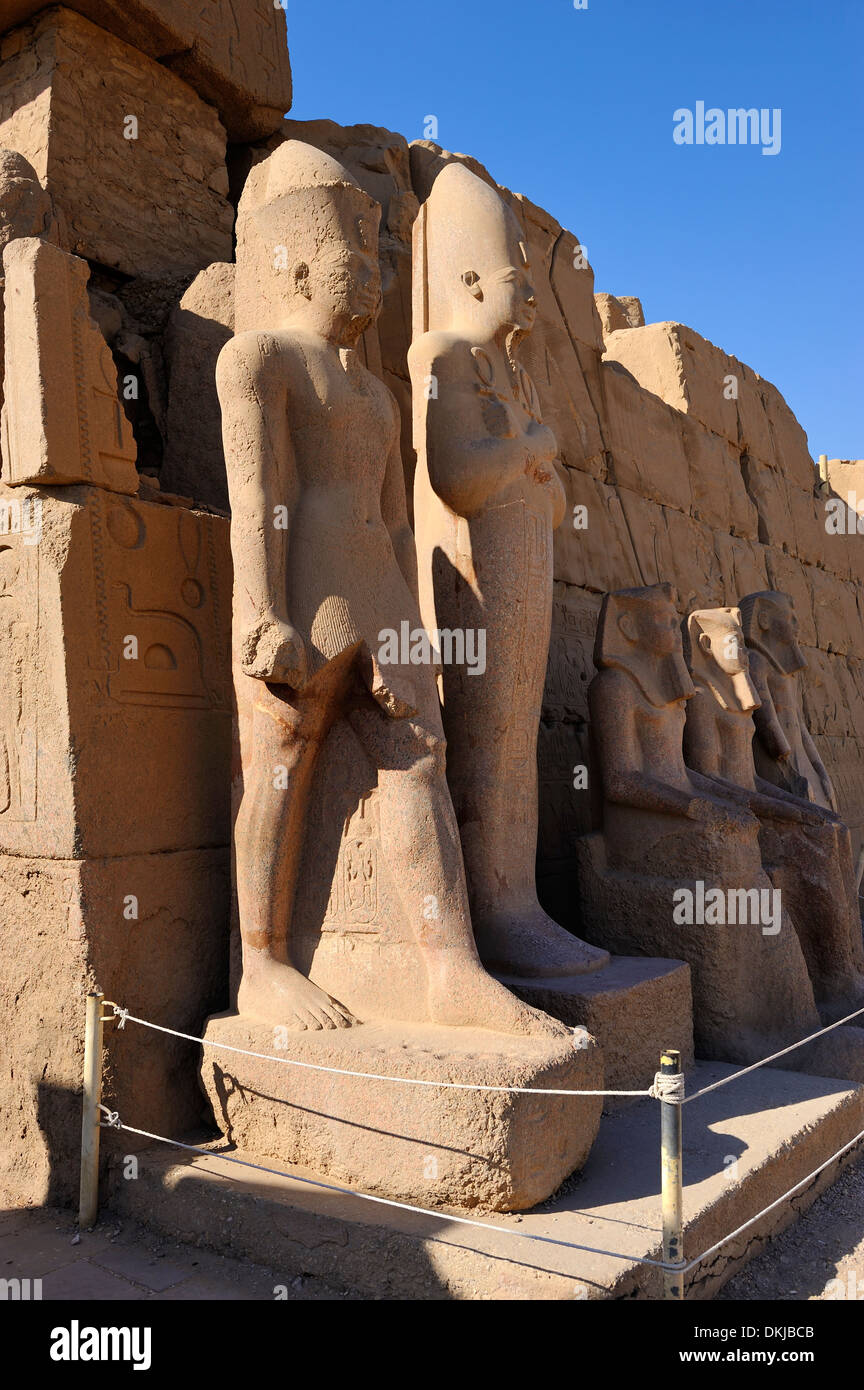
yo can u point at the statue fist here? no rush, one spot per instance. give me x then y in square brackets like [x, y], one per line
[274, 651]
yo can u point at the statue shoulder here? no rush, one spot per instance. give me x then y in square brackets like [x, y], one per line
[257, 353]
[442, 350]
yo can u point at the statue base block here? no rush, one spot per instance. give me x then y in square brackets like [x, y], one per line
[428, 1145]
[635, 1007]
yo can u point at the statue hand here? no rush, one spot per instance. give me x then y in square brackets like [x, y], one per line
[273, 651]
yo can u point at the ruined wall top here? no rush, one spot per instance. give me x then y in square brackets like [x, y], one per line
[234, 53]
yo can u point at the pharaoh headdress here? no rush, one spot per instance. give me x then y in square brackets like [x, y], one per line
[663, 679]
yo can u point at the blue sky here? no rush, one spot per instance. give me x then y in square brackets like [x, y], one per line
[574, 108]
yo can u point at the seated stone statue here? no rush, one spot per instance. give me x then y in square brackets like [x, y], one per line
[487, 500]
[783, 748]
[672, 837]
[806, 849]
[324, 562]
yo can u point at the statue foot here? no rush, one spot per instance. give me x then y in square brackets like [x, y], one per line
[532, 946]
[462, 995]
[280, 995]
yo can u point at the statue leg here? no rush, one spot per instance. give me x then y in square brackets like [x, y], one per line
[268, 838]
[420, 841]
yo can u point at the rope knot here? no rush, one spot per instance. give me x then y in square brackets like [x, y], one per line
[122, 1015]
[668, 1088]
[112, 1117]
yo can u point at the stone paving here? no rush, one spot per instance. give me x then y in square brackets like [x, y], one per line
[118, 1262]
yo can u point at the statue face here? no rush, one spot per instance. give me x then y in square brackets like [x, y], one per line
[342, 282]
[777, 630]
[506, 298]
[655, 626]
[727, 648]
[25, 208]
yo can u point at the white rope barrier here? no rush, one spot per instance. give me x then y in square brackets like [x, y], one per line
[113, 1122]
[125, 1017]
[725, 1081]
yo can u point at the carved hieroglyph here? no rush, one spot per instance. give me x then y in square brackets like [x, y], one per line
[324, 564]
[487, 499]
[668, 828]
[806, 849]
[63, 421]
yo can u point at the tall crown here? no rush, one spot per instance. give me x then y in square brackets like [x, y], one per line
[463, 225]
[296, 203]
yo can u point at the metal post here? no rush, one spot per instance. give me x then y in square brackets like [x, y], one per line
[88, 1201]
[672, 1180]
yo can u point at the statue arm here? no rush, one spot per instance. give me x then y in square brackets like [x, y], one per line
[612, 726]
[821, 771]
[394, 510]
[465, 468]
[767, 725]
[262, 478]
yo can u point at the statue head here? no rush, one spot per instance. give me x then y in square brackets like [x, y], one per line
[771, 628]
[716, 653]
[472, 269]
[307, 247]
[25, 207]
[639, 631]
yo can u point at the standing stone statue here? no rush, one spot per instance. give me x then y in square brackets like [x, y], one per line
[783, 747]
[487, 500]
[324, 563]
[806, 850]
[25, 211]
[676, 870]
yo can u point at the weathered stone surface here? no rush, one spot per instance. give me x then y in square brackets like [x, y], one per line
[780, 1125]
[232, 52]
[419, 1144]
[199, 328]
[806, 850]
[635, 1007]
[718, 489]
[116, 722]
[488, 497]
[667, 828]
[25, 211]
[63, 421]
[152, 204]
[619, 311]
[166, 963]
[646, 441]
[683, 369]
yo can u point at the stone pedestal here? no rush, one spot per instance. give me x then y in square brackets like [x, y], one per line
[427, 1145]
[635, 1007]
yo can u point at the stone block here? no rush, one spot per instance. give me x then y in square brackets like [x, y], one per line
[115, 724]
[486, 1150]
[683, 369]
[593, 548]
[133, 158]
[619, 311]
[67, 927]
[62, 417]
[635, 1007]
[718, 491]
[233, 55]
[646, 441]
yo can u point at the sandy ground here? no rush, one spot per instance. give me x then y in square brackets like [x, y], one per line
[820, 1257]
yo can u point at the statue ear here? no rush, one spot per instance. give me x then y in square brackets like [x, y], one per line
[704, 641]
[764, 621]
[627, 626]
[301, 280]
[471, 281]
